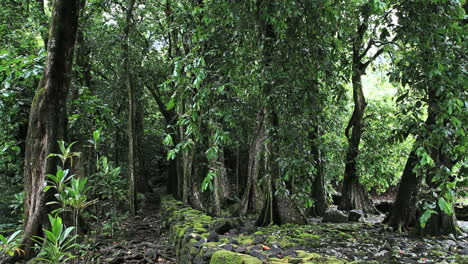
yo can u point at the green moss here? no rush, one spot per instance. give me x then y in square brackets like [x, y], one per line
[245, 240]
[228, 257]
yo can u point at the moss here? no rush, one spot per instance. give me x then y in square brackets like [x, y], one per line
[228, 257]
[245, 240]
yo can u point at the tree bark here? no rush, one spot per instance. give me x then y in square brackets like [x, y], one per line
[405, 212]
[278, 208]
[354, 195]
[248, 201]
[132, 158]
[318, 191]
[47, 119]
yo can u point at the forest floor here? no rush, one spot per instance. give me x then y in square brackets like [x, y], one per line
[139, 239]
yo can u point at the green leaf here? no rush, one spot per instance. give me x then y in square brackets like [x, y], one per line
[445, 206]
[425, 217]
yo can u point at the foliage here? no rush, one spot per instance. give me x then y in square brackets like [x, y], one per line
[57, 243]
[11, 245]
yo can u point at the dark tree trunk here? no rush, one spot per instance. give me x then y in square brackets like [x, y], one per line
[405, 212]
[354, 195]
[132, 157]
[318, 191]
[47, 119]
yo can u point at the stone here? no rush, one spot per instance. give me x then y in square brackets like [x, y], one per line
[240, 250]
[213, 237]
[257, 254]
[223, 225]
[355, 215]
[228, 257]
[259, 239]
[335, 216]
[228, 247]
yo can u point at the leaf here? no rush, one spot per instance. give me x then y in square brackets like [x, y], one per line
[445, 206]
[170, 104]
[96, 136]
[425, 217]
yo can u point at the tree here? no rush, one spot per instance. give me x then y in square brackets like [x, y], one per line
[132, 108]
[428, 186]
[354, 195]
[47, 119]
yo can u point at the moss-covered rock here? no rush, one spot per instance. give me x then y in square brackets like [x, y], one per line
[189, 232]
[228, 257]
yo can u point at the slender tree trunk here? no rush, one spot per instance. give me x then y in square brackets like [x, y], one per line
[354, 195]
[47, 119]
[318, 191]
[132, 159]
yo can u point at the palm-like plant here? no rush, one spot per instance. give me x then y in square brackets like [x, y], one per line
[11, 245]
[56, 244]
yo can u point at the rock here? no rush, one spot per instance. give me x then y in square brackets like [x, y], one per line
[223, 225]
[228, 247]
[213, 237]
[233, 232]
[257, 254]
[248, 229]
[208, 254]
[198, 244]
[355, 215]
[117, 260]
[240, 250]
[233, 241]
[259, 239]
[334, 216]
[272, 252]
[224, 256]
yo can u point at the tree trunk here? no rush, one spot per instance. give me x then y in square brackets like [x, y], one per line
[248, 201]
[47, 119]
[354, 195]
[318, 192]
[278, 208]
[132, 159]
[405, 212]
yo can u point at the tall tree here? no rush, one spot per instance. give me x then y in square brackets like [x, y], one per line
[354, 196]
[132, 114]
[47, 119]
[432, 68]
[278, 208]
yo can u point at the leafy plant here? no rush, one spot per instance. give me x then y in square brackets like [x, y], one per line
[17, 204]
[66, 152]
[11, 245]
[57, 243]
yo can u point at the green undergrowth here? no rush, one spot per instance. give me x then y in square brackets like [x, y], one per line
[189, 230]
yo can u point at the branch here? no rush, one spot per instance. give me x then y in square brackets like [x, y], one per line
[369, 46]
[169, 116]
[376, 55]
